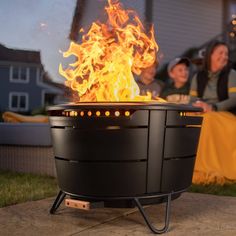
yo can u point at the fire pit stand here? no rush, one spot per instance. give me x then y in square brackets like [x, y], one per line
[129, 153]
[61, 196]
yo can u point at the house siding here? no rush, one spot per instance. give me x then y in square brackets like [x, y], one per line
[179, 25]
[4, 78]
[182, 24]
[31, 88]
[95, 11]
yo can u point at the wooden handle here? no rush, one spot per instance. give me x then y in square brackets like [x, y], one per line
[77, 204]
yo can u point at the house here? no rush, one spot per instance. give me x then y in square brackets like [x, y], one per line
[179, 25]
[21, 81]
[184, 24]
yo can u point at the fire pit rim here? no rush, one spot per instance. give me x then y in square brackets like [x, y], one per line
[132, 105]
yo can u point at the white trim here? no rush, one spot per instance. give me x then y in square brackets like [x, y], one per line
[38, 75]
[43, 97]
[19, 80]
[11, 94]
[17, 63]
[28, 73]
[11, 72]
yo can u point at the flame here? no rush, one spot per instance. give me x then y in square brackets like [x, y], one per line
[108, 56]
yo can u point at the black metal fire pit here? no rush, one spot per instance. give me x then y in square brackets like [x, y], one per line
[132, 153]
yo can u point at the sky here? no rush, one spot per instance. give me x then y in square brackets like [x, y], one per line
[39, 25]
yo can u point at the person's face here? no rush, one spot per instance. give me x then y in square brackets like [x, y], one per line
[180, 73]
[219, 57]
[149, 73]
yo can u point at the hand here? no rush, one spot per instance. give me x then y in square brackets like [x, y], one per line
[178, 98]
[206, 107]
[184, 99]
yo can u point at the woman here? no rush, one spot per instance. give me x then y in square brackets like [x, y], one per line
[214, 89]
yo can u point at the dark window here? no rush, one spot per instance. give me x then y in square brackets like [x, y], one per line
[229, 11]
[20, 74]
[22, 101]
[23, 73]
[15, 74]
[18, 102]
[232, 10]
[14, 101]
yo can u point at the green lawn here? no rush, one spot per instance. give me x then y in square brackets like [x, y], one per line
[225, 190]
[18, 187]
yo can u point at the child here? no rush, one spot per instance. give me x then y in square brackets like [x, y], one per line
[148, 83]
[177, 91]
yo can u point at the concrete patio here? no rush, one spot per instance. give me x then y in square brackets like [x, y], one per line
[191, 214]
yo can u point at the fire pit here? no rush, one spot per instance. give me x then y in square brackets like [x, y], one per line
[133, 152]
[114, 145]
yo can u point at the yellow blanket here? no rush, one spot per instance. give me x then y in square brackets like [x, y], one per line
[216, 155]
[13, 117]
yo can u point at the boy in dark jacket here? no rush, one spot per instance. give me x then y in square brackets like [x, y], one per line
[177, 91]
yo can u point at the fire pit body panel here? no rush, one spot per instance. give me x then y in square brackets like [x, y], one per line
[124, 150]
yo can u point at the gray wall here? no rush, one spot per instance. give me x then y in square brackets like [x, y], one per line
[94, 10]
[181, 24]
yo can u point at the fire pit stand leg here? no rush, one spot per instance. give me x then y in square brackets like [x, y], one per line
[167, 216]
[60, 197]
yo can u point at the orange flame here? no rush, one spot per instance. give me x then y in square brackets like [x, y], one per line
[108, 56]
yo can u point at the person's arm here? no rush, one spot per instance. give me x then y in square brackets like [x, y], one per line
[229, 103]
[193, 89]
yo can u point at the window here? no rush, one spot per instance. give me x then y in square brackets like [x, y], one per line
[232, 10]
[19, 74]
[229, 11]
[18, 101]
[230, 24]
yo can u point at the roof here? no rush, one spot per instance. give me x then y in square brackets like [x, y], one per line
[50, 86]
[17, 55]
[76, 22]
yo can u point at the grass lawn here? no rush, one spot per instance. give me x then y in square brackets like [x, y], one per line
[225, 190]
[18, 187]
